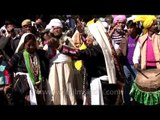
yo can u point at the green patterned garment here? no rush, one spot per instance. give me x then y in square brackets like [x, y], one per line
[29, 69]
[143, 97]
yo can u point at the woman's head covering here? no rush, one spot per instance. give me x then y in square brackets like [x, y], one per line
[147, 21]
[97, 29]
[21, 42]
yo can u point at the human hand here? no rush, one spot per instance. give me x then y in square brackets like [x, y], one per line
[80, 27]
[118, 51]
[136, 66]
[54, 43]
[6, 88]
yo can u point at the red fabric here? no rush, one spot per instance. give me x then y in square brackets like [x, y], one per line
[7, 76]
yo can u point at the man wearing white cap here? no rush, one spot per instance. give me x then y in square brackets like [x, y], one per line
[99, 65]
[61, 70]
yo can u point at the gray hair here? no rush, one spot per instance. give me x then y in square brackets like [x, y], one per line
[87, 32]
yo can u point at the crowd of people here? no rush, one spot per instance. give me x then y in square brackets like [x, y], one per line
[78, 62]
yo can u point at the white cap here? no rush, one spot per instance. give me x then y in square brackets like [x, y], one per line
[131, 18]
[55, 23]
[48, 26]
[68, 16]
[102, 19]
[105, 24]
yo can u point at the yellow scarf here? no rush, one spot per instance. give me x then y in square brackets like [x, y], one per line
[78, 63]
[147, 21]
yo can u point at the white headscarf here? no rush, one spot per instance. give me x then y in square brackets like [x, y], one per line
[21, 42]
[98, 31]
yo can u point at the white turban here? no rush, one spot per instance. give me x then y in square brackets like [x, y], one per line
[105, 24]
[48, 26]
[131, 18]
[102, 19]
[55, 23]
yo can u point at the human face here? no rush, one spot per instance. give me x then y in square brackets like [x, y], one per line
[46, 37]
[56, 31]
[89, 40]
[27, 28]
[80, 26]
[131, 30]
[121, 24]
[9, 28]
[154, 26]
[30, 46]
